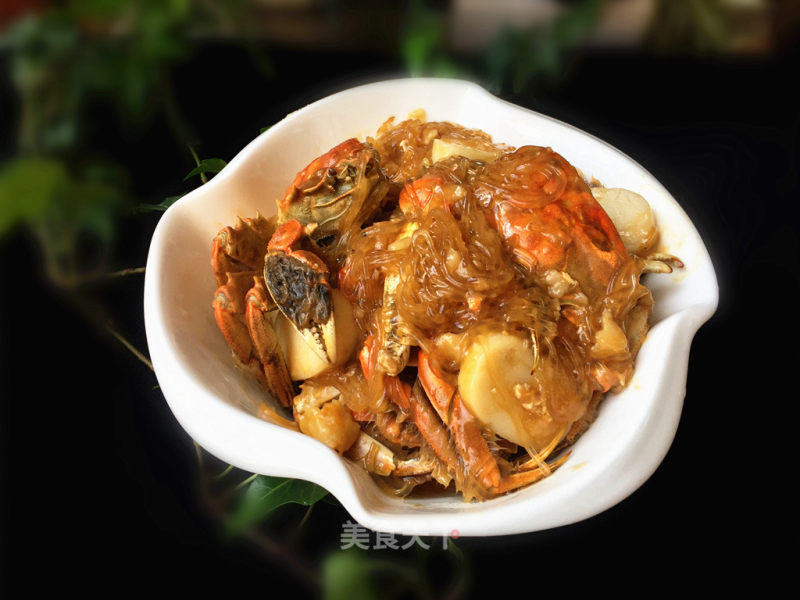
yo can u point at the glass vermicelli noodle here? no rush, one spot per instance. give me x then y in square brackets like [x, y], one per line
[466, 305]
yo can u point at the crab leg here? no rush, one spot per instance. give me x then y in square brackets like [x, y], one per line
[537, 459]
[393, 356]
[445, 448]
[436, 435]
[229, 312]
[230, 309]
[415, 466]
[464, 428]
[375, 457]
[242, 307]
[241, 247]
[532, 470]
[389, 423]
[470, 444]
[520, 479]
[265, 343]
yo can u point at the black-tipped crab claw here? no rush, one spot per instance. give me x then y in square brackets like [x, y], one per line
[297, 280]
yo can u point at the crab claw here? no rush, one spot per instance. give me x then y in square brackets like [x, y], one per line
[297, 280]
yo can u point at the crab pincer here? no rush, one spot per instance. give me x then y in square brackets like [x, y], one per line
[297, 280]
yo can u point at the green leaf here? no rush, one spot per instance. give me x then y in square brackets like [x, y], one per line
[265, 494]
[347, 575]
[73, 215]
[461, 573]
[331, 500]
[576, 24]
[422, 39]
[520, 56]
[206, 166]
[38, 191]
[28, 186]
[355, 574]
[161, 206]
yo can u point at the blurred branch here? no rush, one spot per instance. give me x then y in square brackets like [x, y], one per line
[142, 358]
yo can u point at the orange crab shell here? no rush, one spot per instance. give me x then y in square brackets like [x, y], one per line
[325, 161]
[549, 218]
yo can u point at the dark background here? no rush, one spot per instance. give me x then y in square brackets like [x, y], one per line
[99, 485]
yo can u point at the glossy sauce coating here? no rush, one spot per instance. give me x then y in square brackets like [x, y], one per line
[516, 245]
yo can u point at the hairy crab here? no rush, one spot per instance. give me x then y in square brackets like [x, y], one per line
[455, 309]
[265, 266]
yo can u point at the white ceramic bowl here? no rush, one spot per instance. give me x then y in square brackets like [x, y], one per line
[214, 402]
